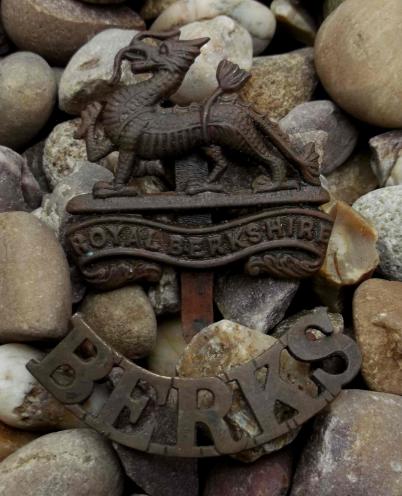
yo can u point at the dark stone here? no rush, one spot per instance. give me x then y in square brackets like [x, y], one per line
[269, 476]
[34, 158]
[258, 303]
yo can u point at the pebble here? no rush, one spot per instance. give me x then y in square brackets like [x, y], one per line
[355, 448]
[27, 97]
[383, 208]
[169, 347]
[352, 179]
[76, 462]
[295, 19]
[19, 189]
[330, 6]
[24, 403]
[13, 439]
[225, 344]
[160, 475]
[53, 210]
[87, 74]
[268, 476]
[228, 40]
[281, 82]
[352, 56]
[62, 153]
[387, 158]
[35, 291]
[152, 8]
[34, 159]
[252, 15]
[377, 318]
[351, 255]
[165, 295]
[124, 318]
[256, 302]
[57, 30]
[323, 115]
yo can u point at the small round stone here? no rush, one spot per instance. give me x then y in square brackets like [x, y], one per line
[152, 8]
[377, 318]
[35, 290]
[253, 16]
[27, 97]
[77, 462]
[124, 318]
[56, 30]
[353, 59]
[383, 208]
[228, 40]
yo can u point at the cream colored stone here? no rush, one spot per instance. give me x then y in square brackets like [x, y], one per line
[35, 289]
[228, 40]
[377, 318]
[252, 15]
[351, 255]
[355, 59]
[168, 349]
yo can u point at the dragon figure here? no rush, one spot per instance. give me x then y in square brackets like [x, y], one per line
[136, 121]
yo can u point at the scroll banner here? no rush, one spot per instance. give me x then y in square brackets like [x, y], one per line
[295, 232]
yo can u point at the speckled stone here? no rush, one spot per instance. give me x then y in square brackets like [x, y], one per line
[355, 448]
[81, 181]
[56, 30]
[377, 317]
[227, 40]
[35, 291]
[124, 318]
[225, 344]
[281, 82]
[354, 63]
[165, 295]
[78, 462]
[383, 208]
[27, 97]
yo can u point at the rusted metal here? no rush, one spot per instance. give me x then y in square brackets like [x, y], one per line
[142, 393]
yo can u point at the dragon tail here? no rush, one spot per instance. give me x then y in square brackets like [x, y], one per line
[307, 164]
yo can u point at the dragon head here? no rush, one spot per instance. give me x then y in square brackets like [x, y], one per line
[169, 53]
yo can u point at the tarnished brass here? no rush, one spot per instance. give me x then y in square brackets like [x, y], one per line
[270, 223]
[140, 394]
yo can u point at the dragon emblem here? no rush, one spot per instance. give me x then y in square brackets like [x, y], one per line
[136, 121]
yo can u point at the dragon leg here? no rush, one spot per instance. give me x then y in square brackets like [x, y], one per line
[98, 145]
[220, 160]
[125, 166]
